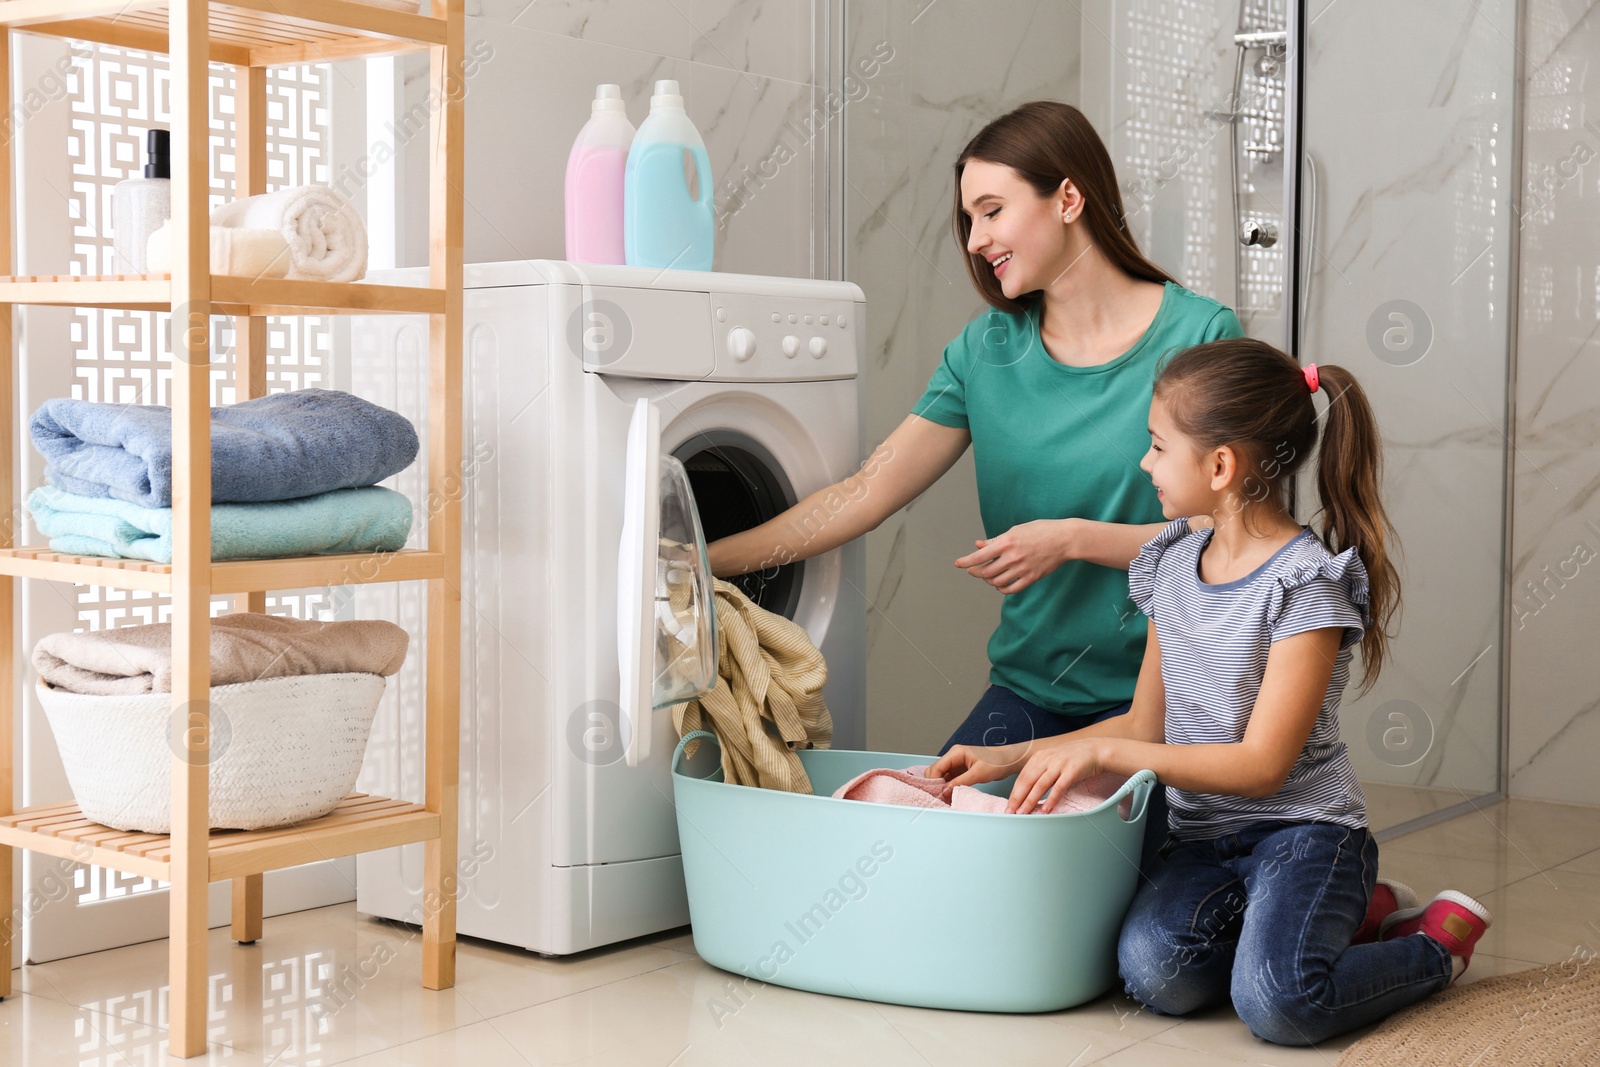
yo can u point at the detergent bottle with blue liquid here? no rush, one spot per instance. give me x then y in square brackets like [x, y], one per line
[668, 220]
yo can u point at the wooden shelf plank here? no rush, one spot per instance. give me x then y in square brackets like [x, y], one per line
[303, 572]
[78, 851]
[230, 295]
[144, 38]
[301, 295]
[350, 16]
[154, 291]
[324, 52]
[84, 570]
[239, 29]
[230, 576]
[360, 823]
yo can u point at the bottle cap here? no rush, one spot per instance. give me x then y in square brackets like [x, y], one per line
[608, 98]
[666, 94]
[158, 146]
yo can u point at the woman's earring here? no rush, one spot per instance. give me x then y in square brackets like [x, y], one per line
[1067, 217]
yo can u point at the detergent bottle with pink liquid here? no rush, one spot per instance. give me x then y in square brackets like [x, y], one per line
[596, 172]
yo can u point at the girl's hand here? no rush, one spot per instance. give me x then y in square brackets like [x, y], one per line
[1020, 556]
[1054, 770]
[976, 764]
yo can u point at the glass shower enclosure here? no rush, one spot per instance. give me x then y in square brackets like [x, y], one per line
[1347, 193]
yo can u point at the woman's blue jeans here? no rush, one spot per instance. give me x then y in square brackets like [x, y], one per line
[1264, 917]
[1004, 718]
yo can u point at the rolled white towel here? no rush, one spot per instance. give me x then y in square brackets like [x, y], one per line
[240, 252]
[327, 241]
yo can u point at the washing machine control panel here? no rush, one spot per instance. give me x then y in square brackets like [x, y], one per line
[775, 338]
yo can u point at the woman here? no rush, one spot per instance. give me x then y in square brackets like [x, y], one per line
[1051, 387]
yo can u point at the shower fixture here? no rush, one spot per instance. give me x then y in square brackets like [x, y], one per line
[1262, 148]
[1258, 232]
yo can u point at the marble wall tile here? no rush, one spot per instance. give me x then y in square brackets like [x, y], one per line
[956, 65]
[767, 37]
[1555, 681]
[928, 632]
[969, 55]
[1555, 676]
[1411, 130]
[754, 127]
[1442, 676]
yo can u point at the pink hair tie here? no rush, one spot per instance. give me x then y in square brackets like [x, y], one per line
[1310, 372]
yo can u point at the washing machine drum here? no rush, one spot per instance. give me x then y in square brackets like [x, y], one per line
[737, 485]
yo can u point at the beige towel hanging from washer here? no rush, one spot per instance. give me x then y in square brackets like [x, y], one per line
[768, 698]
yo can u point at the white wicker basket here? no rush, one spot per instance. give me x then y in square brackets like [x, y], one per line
[283, 750]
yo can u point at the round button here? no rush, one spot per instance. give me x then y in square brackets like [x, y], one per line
[819, 347]
[823, 320]
[722, 314]
[841, 322]
[741, 343]
[794, 318]
[776, 317]
[791, 346]
[808, 320]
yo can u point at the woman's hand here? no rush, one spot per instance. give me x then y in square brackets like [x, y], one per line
[1054, 770]
[1020, 556]
[976, 764]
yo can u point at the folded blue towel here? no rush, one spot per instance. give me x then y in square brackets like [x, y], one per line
[346, 520]
[276, 447]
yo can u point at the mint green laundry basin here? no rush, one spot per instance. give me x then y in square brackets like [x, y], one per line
[933, 908]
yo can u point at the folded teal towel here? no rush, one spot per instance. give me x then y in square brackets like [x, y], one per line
[372, 519]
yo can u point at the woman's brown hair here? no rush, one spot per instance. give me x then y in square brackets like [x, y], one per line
[1248, 395]
[1046, 143]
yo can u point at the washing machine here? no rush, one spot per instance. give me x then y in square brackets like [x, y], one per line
[615, 416]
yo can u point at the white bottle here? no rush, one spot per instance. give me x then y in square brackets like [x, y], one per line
[595, 170]
[140, 205]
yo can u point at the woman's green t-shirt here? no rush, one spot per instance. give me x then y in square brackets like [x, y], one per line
[1050, 442]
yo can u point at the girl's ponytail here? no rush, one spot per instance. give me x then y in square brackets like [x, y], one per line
[1352, 516]
[1245, 393]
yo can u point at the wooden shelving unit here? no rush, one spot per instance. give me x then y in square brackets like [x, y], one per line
[251, 35]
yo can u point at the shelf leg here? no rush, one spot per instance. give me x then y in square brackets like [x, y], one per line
[10, 915]
[250, 381]
[188, 35]
[247, 908]
[10, 921]
[443, 670]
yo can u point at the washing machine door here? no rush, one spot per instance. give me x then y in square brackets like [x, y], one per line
[666, 621]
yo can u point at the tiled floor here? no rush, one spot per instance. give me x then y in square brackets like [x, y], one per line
[1392, 805]
[329, 986]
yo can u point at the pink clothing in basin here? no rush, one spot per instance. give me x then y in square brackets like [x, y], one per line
[911, 788]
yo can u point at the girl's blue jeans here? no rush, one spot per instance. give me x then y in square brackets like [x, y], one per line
[1264, 917]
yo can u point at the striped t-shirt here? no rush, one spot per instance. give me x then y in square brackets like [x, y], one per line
[1214, 643]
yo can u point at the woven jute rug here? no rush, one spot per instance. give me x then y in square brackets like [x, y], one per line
[1545, 1017]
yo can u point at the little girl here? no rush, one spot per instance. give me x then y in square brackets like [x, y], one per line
[1266, 891]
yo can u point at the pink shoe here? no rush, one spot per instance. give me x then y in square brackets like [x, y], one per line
[1453, 919]
[1388, 897]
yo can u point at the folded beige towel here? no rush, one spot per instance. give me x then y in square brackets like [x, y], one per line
[768, 697]
[234, 251]
[244, 648]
